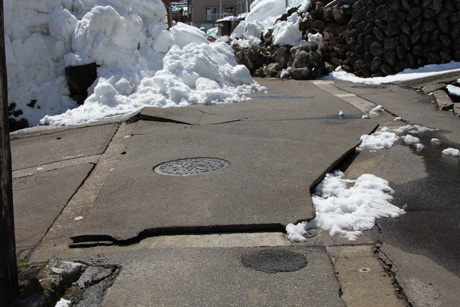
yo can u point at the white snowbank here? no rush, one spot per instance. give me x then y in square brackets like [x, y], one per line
[405, 75]
[346, 212]
[196, 74]
[138, 65]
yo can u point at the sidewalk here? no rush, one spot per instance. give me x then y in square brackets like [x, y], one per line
[91, 194]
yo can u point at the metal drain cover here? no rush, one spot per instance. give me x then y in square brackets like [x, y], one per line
[191, 166]
[274, 261]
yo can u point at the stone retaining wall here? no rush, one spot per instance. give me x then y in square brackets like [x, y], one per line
[387, 36]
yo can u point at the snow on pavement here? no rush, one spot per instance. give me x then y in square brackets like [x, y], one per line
[405, 75]
[347, 211]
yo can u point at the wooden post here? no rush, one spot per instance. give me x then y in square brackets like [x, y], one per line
[167, 4]
[8, 266]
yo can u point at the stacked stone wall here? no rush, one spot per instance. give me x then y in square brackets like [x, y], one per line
[387, 36]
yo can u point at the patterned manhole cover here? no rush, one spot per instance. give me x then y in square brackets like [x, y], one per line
[191, 166]
[274, 261]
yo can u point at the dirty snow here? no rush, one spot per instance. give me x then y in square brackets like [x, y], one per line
[347, 207]
[141, 62]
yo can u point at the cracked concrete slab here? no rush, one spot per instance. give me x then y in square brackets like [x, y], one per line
[218, 277]
[46, 147]
[282, 100]
[425, 282]
[273, 164]
[418, 108]
[39, 199]
[363, 280]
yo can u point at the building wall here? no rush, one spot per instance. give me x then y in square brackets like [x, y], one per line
[201, 11]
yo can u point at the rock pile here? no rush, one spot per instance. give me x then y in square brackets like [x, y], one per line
[387, 36]
[303, 62]
[369, 38]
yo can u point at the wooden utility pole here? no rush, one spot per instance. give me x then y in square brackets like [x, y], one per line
[8, 266]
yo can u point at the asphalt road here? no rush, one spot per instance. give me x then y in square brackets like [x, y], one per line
[431, 224]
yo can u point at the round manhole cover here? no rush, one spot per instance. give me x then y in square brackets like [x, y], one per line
[274, 261]
[191, 166]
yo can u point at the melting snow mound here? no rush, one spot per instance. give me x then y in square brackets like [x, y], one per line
[344, 211]
[140, 62]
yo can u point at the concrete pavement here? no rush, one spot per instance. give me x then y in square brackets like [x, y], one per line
[185, 240]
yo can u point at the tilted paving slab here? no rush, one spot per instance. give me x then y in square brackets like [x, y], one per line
[53, 146]
[273, 164]
[40, 198]
[288, 276]
[282, 100]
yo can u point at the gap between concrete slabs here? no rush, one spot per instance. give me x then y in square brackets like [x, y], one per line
[273, 165]
[173, 241]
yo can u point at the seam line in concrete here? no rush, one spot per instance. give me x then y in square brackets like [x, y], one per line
[84, 197]
[30, 171]
[361, 104]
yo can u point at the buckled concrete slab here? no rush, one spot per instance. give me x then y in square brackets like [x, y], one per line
[273, 165]
[301, 99]
[191, 116]
[39, 199]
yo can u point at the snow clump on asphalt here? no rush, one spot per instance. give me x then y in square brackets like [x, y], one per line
[382, 139]
[346, 212]
[386, 138]
[140, 62]
[451, 152]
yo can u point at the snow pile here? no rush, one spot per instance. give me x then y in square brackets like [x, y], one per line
[346, 212]
[140, 62]
[405, 75]
[263, 15]
[198, 73]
